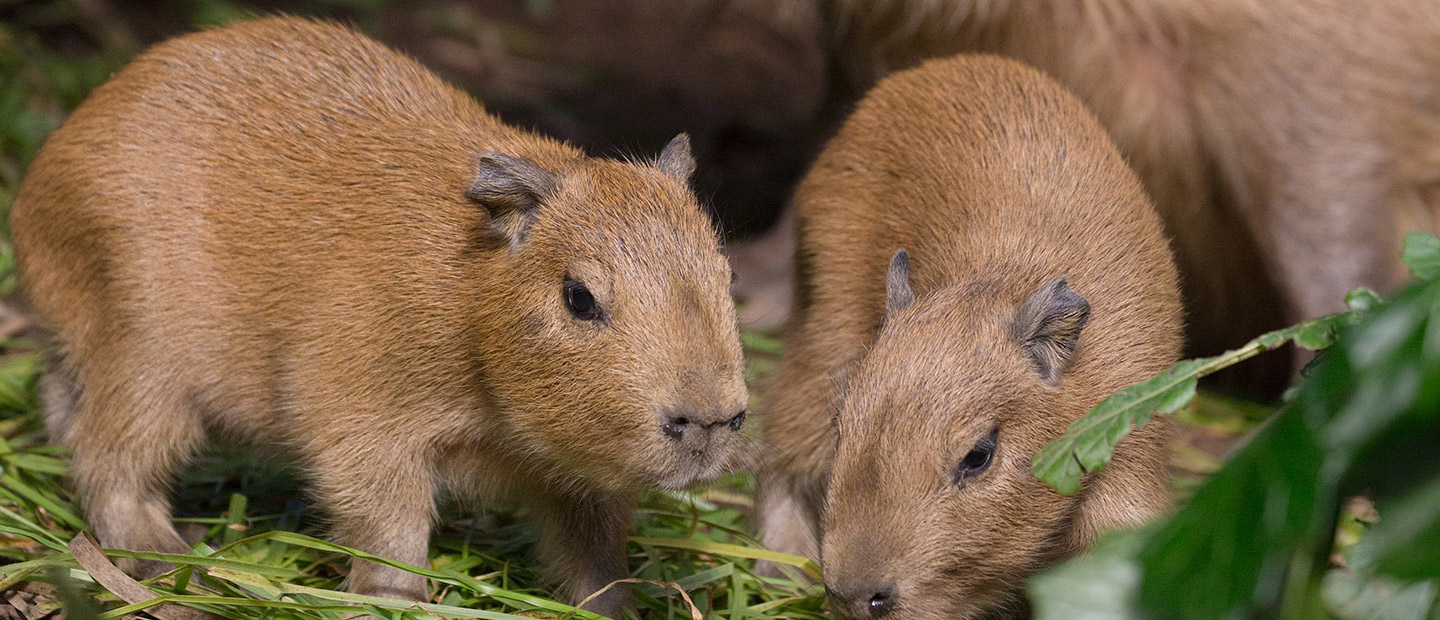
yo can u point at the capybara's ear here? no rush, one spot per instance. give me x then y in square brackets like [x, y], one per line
[1048, 325]
[510, 189]
[898, 294]
[675, 159]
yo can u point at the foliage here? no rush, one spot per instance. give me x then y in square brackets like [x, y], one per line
[1090, 440]
[1257, 539]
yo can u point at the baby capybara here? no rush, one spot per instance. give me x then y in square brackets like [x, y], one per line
[978, 268]
[282, 233]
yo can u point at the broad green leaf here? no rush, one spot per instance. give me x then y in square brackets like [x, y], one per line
[1099, 585]
[1229, 546]
[1406, 541]
[1254, 534]
[1422, 255]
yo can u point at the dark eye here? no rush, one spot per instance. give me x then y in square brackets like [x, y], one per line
[977, 460]
[580, 302]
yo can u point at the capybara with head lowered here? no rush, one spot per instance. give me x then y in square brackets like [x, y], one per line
[281, 233]
[978, 268]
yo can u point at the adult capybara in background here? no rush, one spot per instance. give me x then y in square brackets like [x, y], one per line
[282, 233]
[1288, 144]
[1034, 281]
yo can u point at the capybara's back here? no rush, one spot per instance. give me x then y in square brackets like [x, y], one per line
[979, 267]
[281, 232]
[199, 201]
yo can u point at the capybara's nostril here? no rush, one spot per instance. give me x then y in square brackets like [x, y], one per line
[737, 422]
[882, 602]
[675, 427]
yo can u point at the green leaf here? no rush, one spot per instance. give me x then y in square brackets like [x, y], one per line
[276, 589]
[38, 462]
[1089, 442]
[1209, 560]
[17, 381]
[1315, 337]
[1258, 533]
[1406, 541]
[235, 519]
[1362, 300]
[734, 551]
[1422, 255]
[761, 342]
[205, 562]
[1099, 585]
[41, 498]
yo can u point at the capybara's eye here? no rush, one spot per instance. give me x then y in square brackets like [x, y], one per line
[580, 302]
[978, 458]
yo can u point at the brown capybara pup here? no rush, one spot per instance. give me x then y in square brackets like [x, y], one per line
[1034, 280]
[284, 234]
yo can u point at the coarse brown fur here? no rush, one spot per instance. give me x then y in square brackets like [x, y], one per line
[998, 183]
[284, 234]
[1288, 144]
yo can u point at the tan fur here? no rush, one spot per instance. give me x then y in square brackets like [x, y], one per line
[262, 234]
[996, 181]
[1290, 142]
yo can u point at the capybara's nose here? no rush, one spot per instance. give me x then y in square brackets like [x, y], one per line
[882, 601]
[674, 426]
[678, 422]
[871, 600]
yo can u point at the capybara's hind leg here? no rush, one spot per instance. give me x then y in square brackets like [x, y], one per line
[127, 450]
[59, 396]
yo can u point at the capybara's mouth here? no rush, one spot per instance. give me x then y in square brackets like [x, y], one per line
[688, 475]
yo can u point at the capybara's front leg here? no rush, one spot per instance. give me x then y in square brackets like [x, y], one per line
[582, 545]
[380, 502]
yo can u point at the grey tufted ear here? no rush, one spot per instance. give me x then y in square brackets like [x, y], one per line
[510, 189]
[1047, 327]
[675, 159]
[898, 294]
